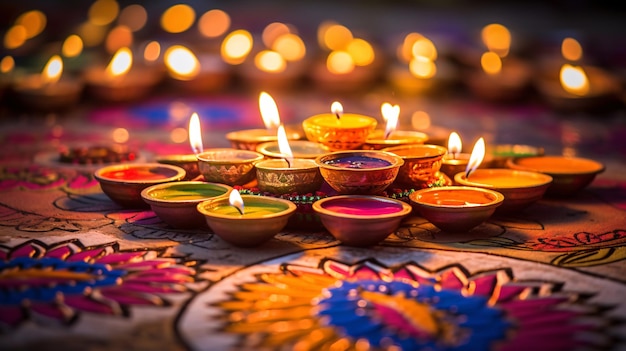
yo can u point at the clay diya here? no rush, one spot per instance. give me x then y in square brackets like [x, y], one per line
[359, 172]
[360, 220]
[247, 220]
[339, 131]
[250, 139]
[520, 188]
[377, 141]
[123, 183]
[569, 174]
[176, 203]
[504, 152]
[421, 164]
[299, 148]
[300, 176]
[456, 208]
[228, 166]
[188, 162]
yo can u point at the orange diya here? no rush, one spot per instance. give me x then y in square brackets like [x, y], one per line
[455, 160]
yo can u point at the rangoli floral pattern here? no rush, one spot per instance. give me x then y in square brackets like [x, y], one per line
[52, 284]
[370, 306]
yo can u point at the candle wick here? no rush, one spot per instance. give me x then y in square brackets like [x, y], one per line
[468, 172]
[238, 209]
[337, 115]
[288, 163]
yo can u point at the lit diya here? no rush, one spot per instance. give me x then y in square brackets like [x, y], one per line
[288, 175]
[380, 139]
[359, 220]
[456, 208]
[520, 188]
[50, 90]
[359, 172]
[228, 166]
[123, 183]
[455, 160]
[188, 162]
[120, 80]
[247, 220]
[338, 130]
[251, 138]
[569, 174]
[175, 203]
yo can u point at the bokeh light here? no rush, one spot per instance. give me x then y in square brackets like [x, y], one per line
[134, 17]
[214, 23]
[178, 18]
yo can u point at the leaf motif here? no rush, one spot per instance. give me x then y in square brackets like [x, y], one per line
[593, 257]
[494, 242]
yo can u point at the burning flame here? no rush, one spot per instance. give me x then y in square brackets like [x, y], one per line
[120, 63]
[571, 49]
[454, 144]
[337, 109]
[181, 62]
[269, 111]
[283, 145]
[195, 134]
[235, 200]
[574, 80]
[53, 70]
[390, 114]
[478, 153]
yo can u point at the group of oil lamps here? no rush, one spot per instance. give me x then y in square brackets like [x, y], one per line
[358, 162]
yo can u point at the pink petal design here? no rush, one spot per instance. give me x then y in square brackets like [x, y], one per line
[453, 279]
[485, 285]
[11, 315]
[81, 182]
[165, 279]
[84, 303]
[546, 320]
[121, 257]
[153, 288]
[3, 255]
[509, 292]
[51, 311]
[85, 256]
[142, 265]
[130, 298]
[420, 276]
[61, 252]
[165, 271]
[522, 308]
[28, 250]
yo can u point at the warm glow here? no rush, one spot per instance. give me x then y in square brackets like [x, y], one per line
[497, 38]
[91, 34]
[195, 134]
[33, 21]
[405, 50]
[214, 23]
[337, 109]
[103, 12]
[7, 64]
[152, 51]
[118, 37]
[390, 114]
[269, 111]
[340, 62]
[72, 46]
[181, 62]
[574, 80]
[361, 51]
[420, 120]
[179, 135]
[454, 144]
[272, 32]
[270, 61]
[120, 63]
[424, 47]
[236, 46]
[476, 158]
[134, 17]
[178, 18]
[120, 135]
[336, 37]
[422, 67]
[235, 200]
[53, 70]
[571, 49]
[15, 37]
[491, 63]
[290, 47]
[283, 144]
